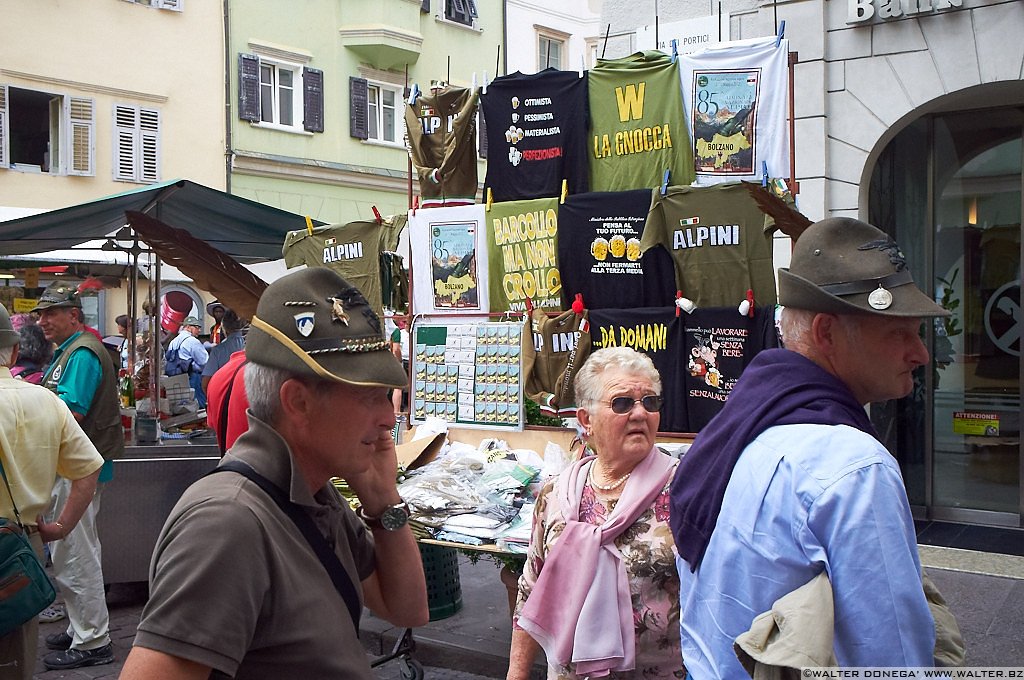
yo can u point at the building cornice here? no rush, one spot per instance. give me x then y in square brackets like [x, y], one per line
[86, 87]
[324, 172]
[281, 52]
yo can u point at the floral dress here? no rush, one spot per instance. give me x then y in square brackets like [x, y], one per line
[647, 552]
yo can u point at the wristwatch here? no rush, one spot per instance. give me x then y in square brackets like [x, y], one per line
[393, 518]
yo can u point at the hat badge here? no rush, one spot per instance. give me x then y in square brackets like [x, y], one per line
[880, 298]
[338, 312]
[304, 323]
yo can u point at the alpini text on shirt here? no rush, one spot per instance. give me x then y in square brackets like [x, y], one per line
[712, 235]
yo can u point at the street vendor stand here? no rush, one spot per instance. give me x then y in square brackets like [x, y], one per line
[535, 438]
[208, 235]
[148, 480]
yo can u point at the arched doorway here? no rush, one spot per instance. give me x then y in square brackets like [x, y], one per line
[948, 187]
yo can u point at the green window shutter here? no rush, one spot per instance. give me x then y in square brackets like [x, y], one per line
[358, 113]
[249, 87]
[313, 99]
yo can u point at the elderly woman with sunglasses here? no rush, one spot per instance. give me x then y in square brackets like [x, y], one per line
[599, 589]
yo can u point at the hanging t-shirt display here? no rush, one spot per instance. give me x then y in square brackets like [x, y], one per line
[554, 348]
[523, 255]
[720, 241]
[637, 126]
[658, 333]
[536, 134]
[441, 125]
[720, 342]
[352, 250]
[449, 263]
[736, 96]
[599, 252]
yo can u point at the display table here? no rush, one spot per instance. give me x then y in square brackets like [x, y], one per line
[148, 480]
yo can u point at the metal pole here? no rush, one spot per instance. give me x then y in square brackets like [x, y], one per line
[794, 186]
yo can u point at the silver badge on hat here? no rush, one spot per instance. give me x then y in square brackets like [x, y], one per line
[880, 298]
[304, 322]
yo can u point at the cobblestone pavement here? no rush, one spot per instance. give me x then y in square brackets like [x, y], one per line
[985, 592]
[125, 602]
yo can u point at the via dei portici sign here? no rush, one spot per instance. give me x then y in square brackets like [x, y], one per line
[860, 11]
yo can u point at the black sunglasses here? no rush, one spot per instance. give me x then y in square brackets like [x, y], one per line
[622, 405]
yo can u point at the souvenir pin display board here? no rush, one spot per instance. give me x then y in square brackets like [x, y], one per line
[468, 374]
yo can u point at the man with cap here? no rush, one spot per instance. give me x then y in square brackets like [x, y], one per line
[235, 588]
[191, 354]
[234, 341]
[83, 375]
[790, 479]
[217, 333]
[39, 439]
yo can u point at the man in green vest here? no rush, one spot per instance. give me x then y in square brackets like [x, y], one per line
[84, 377]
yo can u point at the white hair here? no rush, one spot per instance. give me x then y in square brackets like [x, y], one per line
[5, 355]
[625, 359]
[263, 388]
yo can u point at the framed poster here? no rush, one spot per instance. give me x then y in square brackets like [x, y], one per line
[724, 120]
[453, 273]
[469, 375]
[449, 262]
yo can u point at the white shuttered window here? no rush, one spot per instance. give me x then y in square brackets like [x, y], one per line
[136, 144]
[82, 125]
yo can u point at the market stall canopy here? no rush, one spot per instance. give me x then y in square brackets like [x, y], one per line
[243, 229]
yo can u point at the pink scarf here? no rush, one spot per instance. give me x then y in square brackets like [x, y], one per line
[583, 589]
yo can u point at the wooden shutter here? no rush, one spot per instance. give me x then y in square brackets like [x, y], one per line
[313, 99]
[175, 5]
[249, 87]
[5, 152]
[126, 126]
[481, 131]
[471, 8]
[358, 112]
[149, 145]
[82, 127]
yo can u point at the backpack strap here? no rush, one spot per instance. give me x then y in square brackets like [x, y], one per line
[342, 581]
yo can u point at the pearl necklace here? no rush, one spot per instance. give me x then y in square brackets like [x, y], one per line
[609, 487]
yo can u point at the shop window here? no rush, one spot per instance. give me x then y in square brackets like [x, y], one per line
[549, 52]
[957, 436]
[136, 144]
[279, 94]
[46, 132]
[376, 111]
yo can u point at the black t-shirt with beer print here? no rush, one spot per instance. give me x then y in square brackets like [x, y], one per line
[599, 254]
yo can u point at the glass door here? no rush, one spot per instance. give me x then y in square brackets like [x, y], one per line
[976, 213]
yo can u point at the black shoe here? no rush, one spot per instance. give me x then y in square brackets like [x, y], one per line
[61, 641]
[76, 658]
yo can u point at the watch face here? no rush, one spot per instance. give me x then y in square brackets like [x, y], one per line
[394, 518]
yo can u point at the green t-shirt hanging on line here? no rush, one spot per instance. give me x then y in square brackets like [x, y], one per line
[352, 250]
[637, 126]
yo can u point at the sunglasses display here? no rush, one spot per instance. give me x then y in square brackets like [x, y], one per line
[622, 405]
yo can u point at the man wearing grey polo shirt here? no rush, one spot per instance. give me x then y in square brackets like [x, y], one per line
[235, 588]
